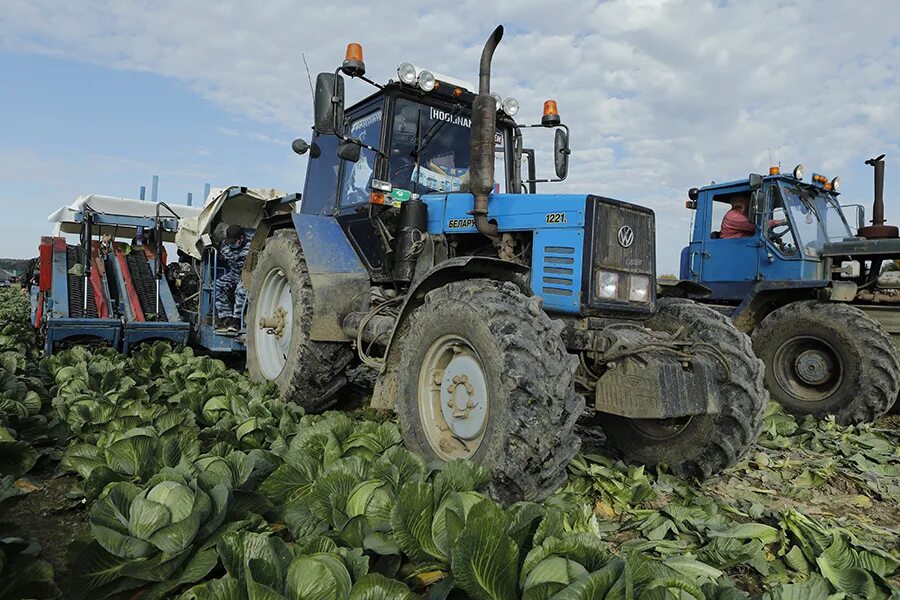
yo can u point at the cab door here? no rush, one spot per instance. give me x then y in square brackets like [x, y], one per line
[780, 255]
[729, 266]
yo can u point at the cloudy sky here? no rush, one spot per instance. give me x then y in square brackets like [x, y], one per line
[96, 97]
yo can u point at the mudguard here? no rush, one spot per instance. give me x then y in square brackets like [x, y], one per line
[339, 279]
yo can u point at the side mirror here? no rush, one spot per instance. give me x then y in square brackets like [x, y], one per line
[329, 103]
[299, 146]
[561, 153]
[349, 150]
[693, 194]
[755, 181]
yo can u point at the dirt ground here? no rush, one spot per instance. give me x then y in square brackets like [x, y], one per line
[50, 517]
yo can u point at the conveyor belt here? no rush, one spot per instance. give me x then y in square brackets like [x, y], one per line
[145, 285]
[76, 287]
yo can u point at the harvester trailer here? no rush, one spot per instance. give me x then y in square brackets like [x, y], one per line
[109, 287]
[820, 300]
[488, 310]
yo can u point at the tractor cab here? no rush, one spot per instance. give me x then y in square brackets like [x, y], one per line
[415, 141]
[406, 139]
[762, 229]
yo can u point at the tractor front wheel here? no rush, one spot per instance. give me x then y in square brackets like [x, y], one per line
[700, 445]
[279, 319]
[828, 359]
[483, 375]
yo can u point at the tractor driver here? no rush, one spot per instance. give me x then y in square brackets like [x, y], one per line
[231, 296]
[735, 223]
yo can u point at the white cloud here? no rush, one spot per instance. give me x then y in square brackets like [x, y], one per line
[660, 95]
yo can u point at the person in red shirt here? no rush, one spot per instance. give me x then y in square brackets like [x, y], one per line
[735, 223]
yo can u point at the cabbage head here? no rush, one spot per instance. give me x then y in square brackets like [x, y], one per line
[168, 515]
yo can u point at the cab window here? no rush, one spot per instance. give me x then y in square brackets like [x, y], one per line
[721, 205]
[358, 176]
[320, 193]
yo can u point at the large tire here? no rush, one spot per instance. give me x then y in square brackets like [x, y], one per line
[309, 373]
[527, 425]
[828, 359]
[702, 445]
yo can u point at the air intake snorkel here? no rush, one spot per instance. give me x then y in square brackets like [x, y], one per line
[484, 128]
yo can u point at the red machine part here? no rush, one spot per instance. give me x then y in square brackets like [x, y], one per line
[98, 277]
[45, 254]
[45, 273]
[151, 254]
[129, 285]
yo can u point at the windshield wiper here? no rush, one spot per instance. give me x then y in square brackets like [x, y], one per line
[807, 198]
[436, 129]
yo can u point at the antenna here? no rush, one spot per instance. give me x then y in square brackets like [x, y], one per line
[312, 94]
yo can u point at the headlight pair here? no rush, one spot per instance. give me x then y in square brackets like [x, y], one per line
[607, 284]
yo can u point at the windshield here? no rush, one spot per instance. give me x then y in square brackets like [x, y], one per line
[816, 217]
[443, 137]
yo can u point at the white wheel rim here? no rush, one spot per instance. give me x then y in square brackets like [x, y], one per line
[275, 306]
[453, 398]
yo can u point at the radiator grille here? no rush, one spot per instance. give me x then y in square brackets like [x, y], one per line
[608, 253]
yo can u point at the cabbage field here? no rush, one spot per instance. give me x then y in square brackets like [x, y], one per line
[168, 475]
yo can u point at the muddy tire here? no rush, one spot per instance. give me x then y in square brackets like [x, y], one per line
[308, 373]
[483, 375]
[701, 445]
[828, 359]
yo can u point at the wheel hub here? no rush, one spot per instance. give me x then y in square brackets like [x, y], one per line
[273, 317]
[463, 396]
[453, 398]
[813, 367]
[274, 325]
[808, 368]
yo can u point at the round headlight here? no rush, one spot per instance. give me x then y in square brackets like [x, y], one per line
[511, 106]
[640, 289]
[407, 73]
[497, 99]
[426, 81]
[836, 183]
[798, 172]
[607, 284]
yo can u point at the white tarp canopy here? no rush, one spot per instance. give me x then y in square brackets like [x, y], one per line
[68, 218]
[233, 205]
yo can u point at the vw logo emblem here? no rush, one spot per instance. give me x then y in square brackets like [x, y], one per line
[626, 236]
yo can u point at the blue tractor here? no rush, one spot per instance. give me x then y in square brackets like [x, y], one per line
[818, 291]
[487, 310]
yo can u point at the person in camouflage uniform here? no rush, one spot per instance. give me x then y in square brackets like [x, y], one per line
[231, 296]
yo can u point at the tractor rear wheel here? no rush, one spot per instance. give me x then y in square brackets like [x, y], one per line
[483, 375]
[279, 319]
[828, 359]
[700, 445]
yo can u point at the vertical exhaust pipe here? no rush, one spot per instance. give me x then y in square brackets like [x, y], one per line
[878, 205]
[484, 128]
[878, 230]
